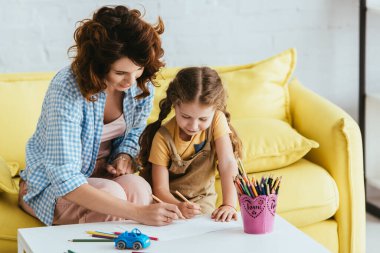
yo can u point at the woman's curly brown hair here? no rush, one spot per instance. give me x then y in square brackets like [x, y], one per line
[113, 33]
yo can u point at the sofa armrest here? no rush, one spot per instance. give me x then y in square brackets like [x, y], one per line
[340, 153]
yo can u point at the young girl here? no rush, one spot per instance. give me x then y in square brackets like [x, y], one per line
[180, 155]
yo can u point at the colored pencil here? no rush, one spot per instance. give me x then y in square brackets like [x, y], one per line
[91, 240]
[254, 187]
[267, 189]
[150, 237]
[254, 190]
[104, 236]
[240, 167]
[100, 234]
[182, 197]
[157, 199]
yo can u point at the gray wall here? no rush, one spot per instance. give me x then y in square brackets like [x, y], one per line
[35, 35]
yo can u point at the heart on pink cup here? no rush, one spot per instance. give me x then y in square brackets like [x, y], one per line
[253, 206]
[272, 203]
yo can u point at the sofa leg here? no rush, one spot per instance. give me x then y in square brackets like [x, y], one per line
[373, 209]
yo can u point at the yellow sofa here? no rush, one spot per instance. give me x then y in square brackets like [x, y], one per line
[279, 121]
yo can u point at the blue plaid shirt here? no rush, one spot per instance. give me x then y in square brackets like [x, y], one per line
[62, 152]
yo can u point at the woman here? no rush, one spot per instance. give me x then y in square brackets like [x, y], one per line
[79, 161]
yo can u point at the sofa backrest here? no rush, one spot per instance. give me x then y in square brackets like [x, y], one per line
[21, 97]
[256, 90]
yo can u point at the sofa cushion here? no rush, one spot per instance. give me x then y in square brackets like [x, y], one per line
[308, 194]
[255, 90]
[260, 89]
[21, 99]
[6, 182]
[12, 217]
[14, 168]
[270, 144]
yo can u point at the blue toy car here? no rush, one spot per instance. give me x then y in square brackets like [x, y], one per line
[132, 240]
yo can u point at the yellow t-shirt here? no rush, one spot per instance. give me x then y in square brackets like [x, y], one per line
[160, 154]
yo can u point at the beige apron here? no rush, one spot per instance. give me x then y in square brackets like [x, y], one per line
[194, 177]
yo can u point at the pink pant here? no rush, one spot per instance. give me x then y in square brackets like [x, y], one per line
[129, 187]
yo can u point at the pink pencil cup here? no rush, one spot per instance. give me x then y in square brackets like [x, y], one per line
[258, 213]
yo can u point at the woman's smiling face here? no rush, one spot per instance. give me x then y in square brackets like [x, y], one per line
[123, 74]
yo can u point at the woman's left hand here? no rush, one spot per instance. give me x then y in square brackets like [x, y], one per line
[121, 165]
[224, 213]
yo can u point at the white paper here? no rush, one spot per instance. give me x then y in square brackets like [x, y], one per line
[181, 228]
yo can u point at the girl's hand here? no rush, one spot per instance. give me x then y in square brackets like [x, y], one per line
[159, 214]
[189, 210]
[120, 166]
[224, 213]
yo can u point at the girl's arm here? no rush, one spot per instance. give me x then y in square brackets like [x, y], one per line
[160, 180]
[227, 166]
[102, 202]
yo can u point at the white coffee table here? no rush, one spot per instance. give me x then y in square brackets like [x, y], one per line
[198, 235]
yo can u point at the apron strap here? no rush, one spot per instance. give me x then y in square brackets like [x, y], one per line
[173, 150]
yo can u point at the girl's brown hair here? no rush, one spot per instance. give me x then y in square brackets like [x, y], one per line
[113, 33]
[194, 84]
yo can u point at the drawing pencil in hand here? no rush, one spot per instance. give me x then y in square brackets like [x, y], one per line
[157, 199]
[182, 197]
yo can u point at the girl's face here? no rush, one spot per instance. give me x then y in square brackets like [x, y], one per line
[123, 73]
[193, 118]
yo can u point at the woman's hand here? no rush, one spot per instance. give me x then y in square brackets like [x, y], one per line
[189, 210]
[159, 214]
[224, 213]
[121, 165]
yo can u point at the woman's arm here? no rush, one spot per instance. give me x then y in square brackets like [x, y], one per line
[125, 148]
[94, 199]
[140, 111]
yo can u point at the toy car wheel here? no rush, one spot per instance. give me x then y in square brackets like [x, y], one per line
[121, 245]
[137, 245]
